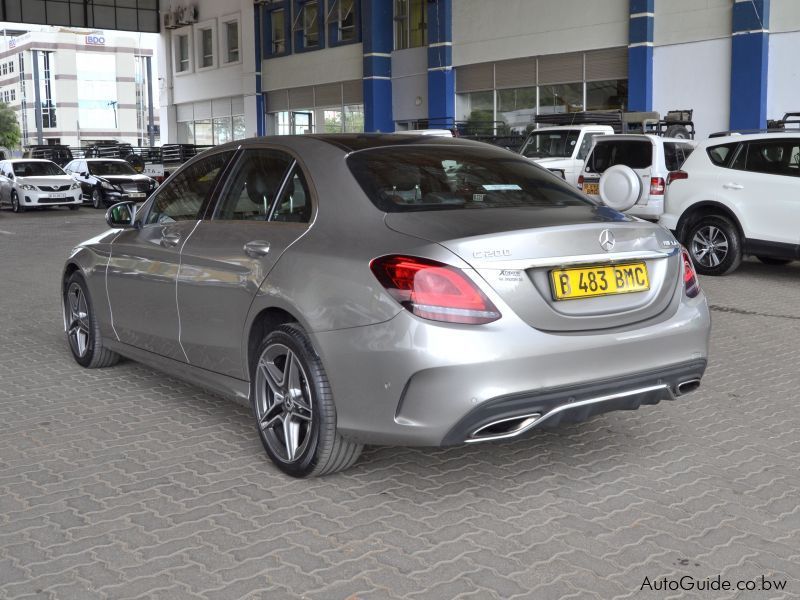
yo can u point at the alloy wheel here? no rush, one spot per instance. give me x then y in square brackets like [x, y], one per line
[710, 246]
[78, 326]
[283, 402]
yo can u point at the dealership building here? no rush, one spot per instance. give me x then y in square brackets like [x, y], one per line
[74, 86]
[240, 68]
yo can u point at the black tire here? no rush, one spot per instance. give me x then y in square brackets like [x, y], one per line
[97, 198]
[80, 319]
[778, 262]
[722, 243]
[310, 407]
[16, 206]
[677, 131]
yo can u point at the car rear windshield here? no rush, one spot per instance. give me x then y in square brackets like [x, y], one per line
[36, 169]
[636, 154]
[409, 178]
[110, 167]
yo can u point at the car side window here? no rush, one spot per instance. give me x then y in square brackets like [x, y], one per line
[182, 197]
[774, 157]
[254, 186]
[294, 205]
[721, 155]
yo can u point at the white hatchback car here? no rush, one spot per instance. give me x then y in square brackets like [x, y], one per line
[36, 183]
[629, 172]
[738, 195]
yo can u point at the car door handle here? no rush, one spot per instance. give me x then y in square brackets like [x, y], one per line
[168, 240]
[256, 248]
[733, 186]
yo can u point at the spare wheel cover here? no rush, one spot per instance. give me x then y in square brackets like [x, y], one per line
[620, 187]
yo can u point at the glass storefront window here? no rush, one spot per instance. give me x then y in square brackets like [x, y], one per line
[516, 107]
[186, 133]
[222, 130]
[479, 110]
[354, 118]
[238, 127]
[332, 120]
[560, 98]
[203, 135]
[607, 95]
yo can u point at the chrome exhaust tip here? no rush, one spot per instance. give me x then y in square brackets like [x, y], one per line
[685, 387]
[504, 428]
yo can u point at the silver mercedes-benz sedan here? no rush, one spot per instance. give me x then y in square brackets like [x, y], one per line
[386, 289]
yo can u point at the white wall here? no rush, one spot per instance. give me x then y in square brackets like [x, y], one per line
[704, 86]
[784, 74]
[501, 29]
[681, 21]
[784, 16]
[409, 82]
[342, 63]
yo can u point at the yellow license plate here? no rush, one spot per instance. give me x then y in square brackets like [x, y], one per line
[586, 282]
[592, 189]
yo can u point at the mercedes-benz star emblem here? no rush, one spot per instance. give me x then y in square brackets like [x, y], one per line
[607, 241]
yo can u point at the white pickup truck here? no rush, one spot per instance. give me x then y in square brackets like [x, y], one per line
[563, 149]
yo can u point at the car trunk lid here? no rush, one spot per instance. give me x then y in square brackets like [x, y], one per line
[515, 250]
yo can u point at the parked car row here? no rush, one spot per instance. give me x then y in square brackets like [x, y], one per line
[29, 183]
[723, 198]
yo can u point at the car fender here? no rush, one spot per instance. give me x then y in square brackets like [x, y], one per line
[705, 206]
[91, 260]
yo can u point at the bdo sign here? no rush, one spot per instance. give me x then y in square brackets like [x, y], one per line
[95, 40]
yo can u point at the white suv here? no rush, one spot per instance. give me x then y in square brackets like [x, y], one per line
[738, 195]
[629, 172]
[562, 150]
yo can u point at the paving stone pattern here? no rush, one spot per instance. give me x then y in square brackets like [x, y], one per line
[125, 483]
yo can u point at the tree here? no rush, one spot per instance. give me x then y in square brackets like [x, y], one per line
[9, 127]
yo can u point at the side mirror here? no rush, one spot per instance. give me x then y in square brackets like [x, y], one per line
[84, 174]
[122, 215]
[11, 176]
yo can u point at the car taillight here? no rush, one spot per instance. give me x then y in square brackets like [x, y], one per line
[657, 186]
[434, 290]
[580, 182]
[675, 175]
[690, 281]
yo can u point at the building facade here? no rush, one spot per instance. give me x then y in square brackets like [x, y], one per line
[385, 65]
[76, 86]
[207, 57]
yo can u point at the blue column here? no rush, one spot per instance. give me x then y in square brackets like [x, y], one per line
[749, 64]
[640, 55]
[377, 35]
[260, 108]
[441, 77]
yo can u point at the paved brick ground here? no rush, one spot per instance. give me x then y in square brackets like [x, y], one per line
[124, 483]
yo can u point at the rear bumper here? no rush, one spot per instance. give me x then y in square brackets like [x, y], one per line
[412, 382]
[514, 415]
